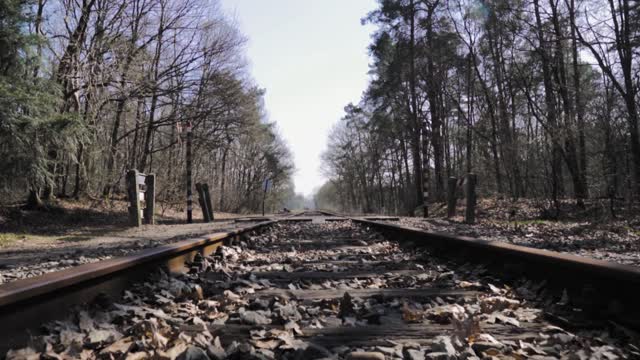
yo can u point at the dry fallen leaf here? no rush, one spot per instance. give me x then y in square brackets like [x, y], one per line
[498, 303]
[266, 344]
[496, 316]
[22, 354]
[465, 327]
[412, 315]
[443, 314]
[118, 348]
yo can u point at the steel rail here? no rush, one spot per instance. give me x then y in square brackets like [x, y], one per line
[28, 303]
[601, 289]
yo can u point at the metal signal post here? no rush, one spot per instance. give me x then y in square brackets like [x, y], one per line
[189, 175]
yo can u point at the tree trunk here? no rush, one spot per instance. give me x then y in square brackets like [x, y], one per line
[415, 143]
[508, 149]
[582, 149]
[78, 177]
[223, 177]
[154, 97]
[435, 111]
[33, 200]
[556, 165]
[570, 150]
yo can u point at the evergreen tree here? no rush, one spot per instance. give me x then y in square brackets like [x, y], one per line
[31, 129]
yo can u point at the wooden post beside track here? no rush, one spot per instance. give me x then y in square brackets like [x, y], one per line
[452, 186]
[470, 195]
[207, 200]
[150, 199]
[135, 217]
[202, 199]
[425, 170]
[266, 185]
[141, 187]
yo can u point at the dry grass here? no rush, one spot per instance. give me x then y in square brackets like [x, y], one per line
[9, 238]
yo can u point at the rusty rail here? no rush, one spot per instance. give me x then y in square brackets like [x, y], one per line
[603, 289]
[26, 304]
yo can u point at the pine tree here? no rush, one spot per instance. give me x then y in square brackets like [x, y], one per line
[30, 125]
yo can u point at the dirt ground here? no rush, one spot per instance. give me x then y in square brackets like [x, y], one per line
[79, 221]
[74, 233]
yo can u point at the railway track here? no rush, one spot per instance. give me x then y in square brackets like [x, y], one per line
[302, 288]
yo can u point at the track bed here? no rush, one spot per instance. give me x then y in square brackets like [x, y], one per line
[21, 261]
[332, 290]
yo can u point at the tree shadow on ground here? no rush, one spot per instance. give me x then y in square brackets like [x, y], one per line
[79, 223]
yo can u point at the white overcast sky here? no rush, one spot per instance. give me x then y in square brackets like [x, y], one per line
[311, 57]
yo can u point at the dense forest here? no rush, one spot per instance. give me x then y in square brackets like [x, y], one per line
[539, 98]
[92, 88]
